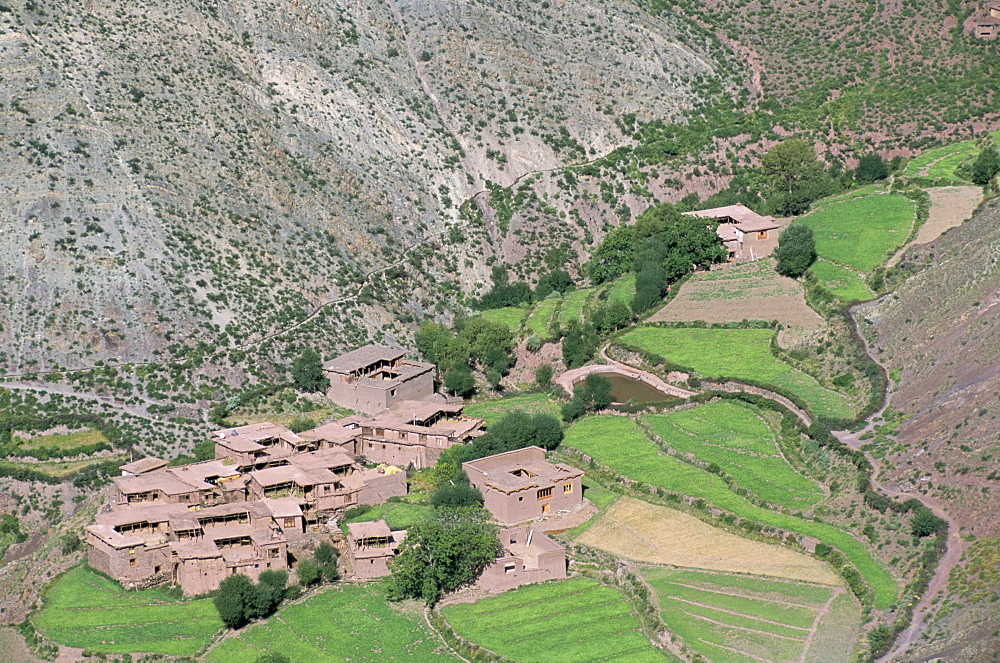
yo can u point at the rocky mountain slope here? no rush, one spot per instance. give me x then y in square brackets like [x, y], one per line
[939, 334]
[189, 174]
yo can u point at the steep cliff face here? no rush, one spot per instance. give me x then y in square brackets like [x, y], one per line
[188, 172]
[939, 334]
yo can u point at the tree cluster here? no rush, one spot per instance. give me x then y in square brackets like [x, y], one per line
[307, 372]
[504, 293]
[589, 395]
[986, 166]
[447, 550]
[240, 601]
[474, 342]
[796, 250]
[322, 566]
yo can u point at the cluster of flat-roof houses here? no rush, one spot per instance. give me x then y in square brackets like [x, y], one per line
[195, 524]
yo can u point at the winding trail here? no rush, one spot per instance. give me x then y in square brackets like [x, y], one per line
[955, 545]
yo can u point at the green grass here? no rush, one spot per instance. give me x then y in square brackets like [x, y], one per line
[847, 284]
[63, 441]
[622, 289]
[540, 321]
[573, 303]
[397, 515]
[955, 153]
[493, 411]
[739, 441]
[717, 613]
[511, 316]
[618, 443]
[739, 354]
[83, 609]
[600, 497]
[571, 621]
[861, 229]
[347, 623]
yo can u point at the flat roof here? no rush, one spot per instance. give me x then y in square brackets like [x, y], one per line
[143, 465]
[745, 218]
[363, 357]
[333, 432]
[369, 530]
[529, 463]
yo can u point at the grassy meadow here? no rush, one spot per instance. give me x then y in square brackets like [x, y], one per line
[540, 321]
[738, 354]
[493, 411]
[622, 289]
[620, 444]
[573, 305]
[728, 617]
[742, 444]
[846, 283]
[84, 609]
[349, 622]
[509, 316]
[941, 162]
[62, 441]
[861, 229]
[573, 621]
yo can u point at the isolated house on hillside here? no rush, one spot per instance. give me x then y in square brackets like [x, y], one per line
[371, 546]
[745, 234]
[520, 485]
[376, 378]
[529, 556]
[414, 433]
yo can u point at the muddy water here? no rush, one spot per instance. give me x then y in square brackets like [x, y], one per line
[624, 389]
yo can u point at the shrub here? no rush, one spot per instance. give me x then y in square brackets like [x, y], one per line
[796, 250]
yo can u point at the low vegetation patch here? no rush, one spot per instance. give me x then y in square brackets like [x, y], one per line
[846, 283]
[84, 609]
[742, 618]
[620, 444]
[573, 304]
[540, 321]
[510, 316]
[345, 623]
[572, 621]
[740, 354]
[493, 411]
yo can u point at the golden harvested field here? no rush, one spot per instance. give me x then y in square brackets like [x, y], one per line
[645, 532]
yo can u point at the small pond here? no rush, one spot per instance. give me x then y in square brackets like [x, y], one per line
[624, 389]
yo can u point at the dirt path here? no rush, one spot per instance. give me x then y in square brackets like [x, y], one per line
[571, 377]
[955, 545]
[950, 206]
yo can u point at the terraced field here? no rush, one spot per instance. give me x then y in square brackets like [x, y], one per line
[83, 609]
[493, 411]
[573, 305]
[940, 162]
[741, 618]
[510, 316]
[345, 623]
[573, 621]
[540, 320]
[841, 281]
[861, 229]
[741, 354]
[622, 289]
[742, 444]
[620, 444]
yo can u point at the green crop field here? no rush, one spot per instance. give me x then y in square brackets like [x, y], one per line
[930, 163]
[493, 411]
[510, 316]
[739, 441]
[83, 609]
[347, 623]
[572, 621]
[622, 289]
[738, 354]
[540, 321]
[63, 441]
[573, 303]
[397, 515]
[620, 444]
[845, 283]
[861, 229]
[730, 617]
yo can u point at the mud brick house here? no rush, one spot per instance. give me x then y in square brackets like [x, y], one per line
[521, 485]
[206, 483]
[376, 378]
[193, 548]
[259, 445]
[143, 466]
[414, 433]
[529, 556]
[371, 546]
[986, 24]
[745, 234]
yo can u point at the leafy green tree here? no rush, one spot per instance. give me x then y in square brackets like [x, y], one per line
[517, 430]
[650, 284]
[457, 492]
[579, 344]
[459, 381]
[543, 376]
[308, 572]
[796, 250]
[589, 395]
[986, 166]
[925, 523]
[871, 168]
[447, 550]
[307, 372]
[234, 600]
[326, 559]
[267, 594]
[790, 164]
[614, 255]
[486, 338]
